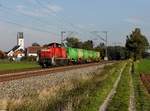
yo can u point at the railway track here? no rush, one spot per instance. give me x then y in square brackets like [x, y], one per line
[41, 72]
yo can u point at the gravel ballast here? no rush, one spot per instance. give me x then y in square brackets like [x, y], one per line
[30, 86]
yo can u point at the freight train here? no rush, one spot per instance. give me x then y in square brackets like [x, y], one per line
[57, 55]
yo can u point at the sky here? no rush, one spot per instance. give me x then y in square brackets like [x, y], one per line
[43, 20]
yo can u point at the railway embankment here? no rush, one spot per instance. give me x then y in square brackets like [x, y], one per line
[17, 92]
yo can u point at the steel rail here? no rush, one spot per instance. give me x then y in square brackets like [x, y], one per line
[41, 72]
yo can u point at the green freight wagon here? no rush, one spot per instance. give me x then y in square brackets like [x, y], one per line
[85, 54]
[90, 54]
[72, 53]
[98, 56]
[94, 55]
[80, 53]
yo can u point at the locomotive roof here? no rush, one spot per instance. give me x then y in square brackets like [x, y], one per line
[53, 44]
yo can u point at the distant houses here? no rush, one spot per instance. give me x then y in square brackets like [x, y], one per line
[32, 52]
[19, 51]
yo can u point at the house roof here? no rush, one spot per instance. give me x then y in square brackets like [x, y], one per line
[14, 48]
[33, 49]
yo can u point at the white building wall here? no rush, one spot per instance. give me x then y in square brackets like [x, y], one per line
[21, 43]
[10, 54]
[32, 54]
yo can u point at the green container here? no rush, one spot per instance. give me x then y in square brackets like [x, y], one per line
[98, 55]
[94, 55]
[90, 54]
[72, 53]
[85, 54]
[80, 53]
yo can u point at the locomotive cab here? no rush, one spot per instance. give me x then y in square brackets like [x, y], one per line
[53, 55]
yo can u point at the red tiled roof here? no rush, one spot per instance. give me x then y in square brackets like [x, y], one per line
[33, 49]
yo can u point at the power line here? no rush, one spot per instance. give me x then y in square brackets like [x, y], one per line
[62, 18]
[22, 25]
[37, 19]
[44, 7]
[29, 27]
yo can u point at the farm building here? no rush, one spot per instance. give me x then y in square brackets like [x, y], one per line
[33, 51]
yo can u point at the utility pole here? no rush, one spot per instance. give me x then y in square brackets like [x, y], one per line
[63, 34]
[103, 39]
[106, 51]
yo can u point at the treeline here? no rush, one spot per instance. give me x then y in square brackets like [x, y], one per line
[114, 52]
[136, 47]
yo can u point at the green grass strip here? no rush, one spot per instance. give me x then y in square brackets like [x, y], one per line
[96, 92]
[120, 101]
[17, 66]
[141, 95]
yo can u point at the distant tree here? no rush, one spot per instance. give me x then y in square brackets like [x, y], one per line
[136, 44]
[73, 42]
[35, 44]
[88, 45]
[117, 52]
[2, 54]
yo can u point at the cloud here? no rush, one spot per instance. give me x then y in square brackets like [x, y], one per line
[134, 20]
[24, 10]
[43, 11]
[54, 8]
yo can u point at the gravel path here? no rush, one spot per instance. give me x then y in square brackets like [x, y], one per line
[103, 107]
[132, 97]
[24, 87]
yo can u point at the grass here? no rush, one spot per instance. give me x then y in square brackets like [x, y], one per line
[98, 90]
[13, 66]
[120, 101]
[141, 95]
[86, 95]
[144, 66]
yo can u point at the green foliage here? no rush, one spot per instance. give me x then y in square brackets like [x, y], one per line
[136, 44]
[120, 101]
[88, 45]
[73, 42]
[116, 53]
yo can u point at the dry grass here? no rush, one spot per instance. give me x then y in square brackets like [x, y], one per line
[47, 96]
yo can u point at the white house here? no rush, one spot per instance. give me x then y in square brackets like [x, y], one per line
[17, 48]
